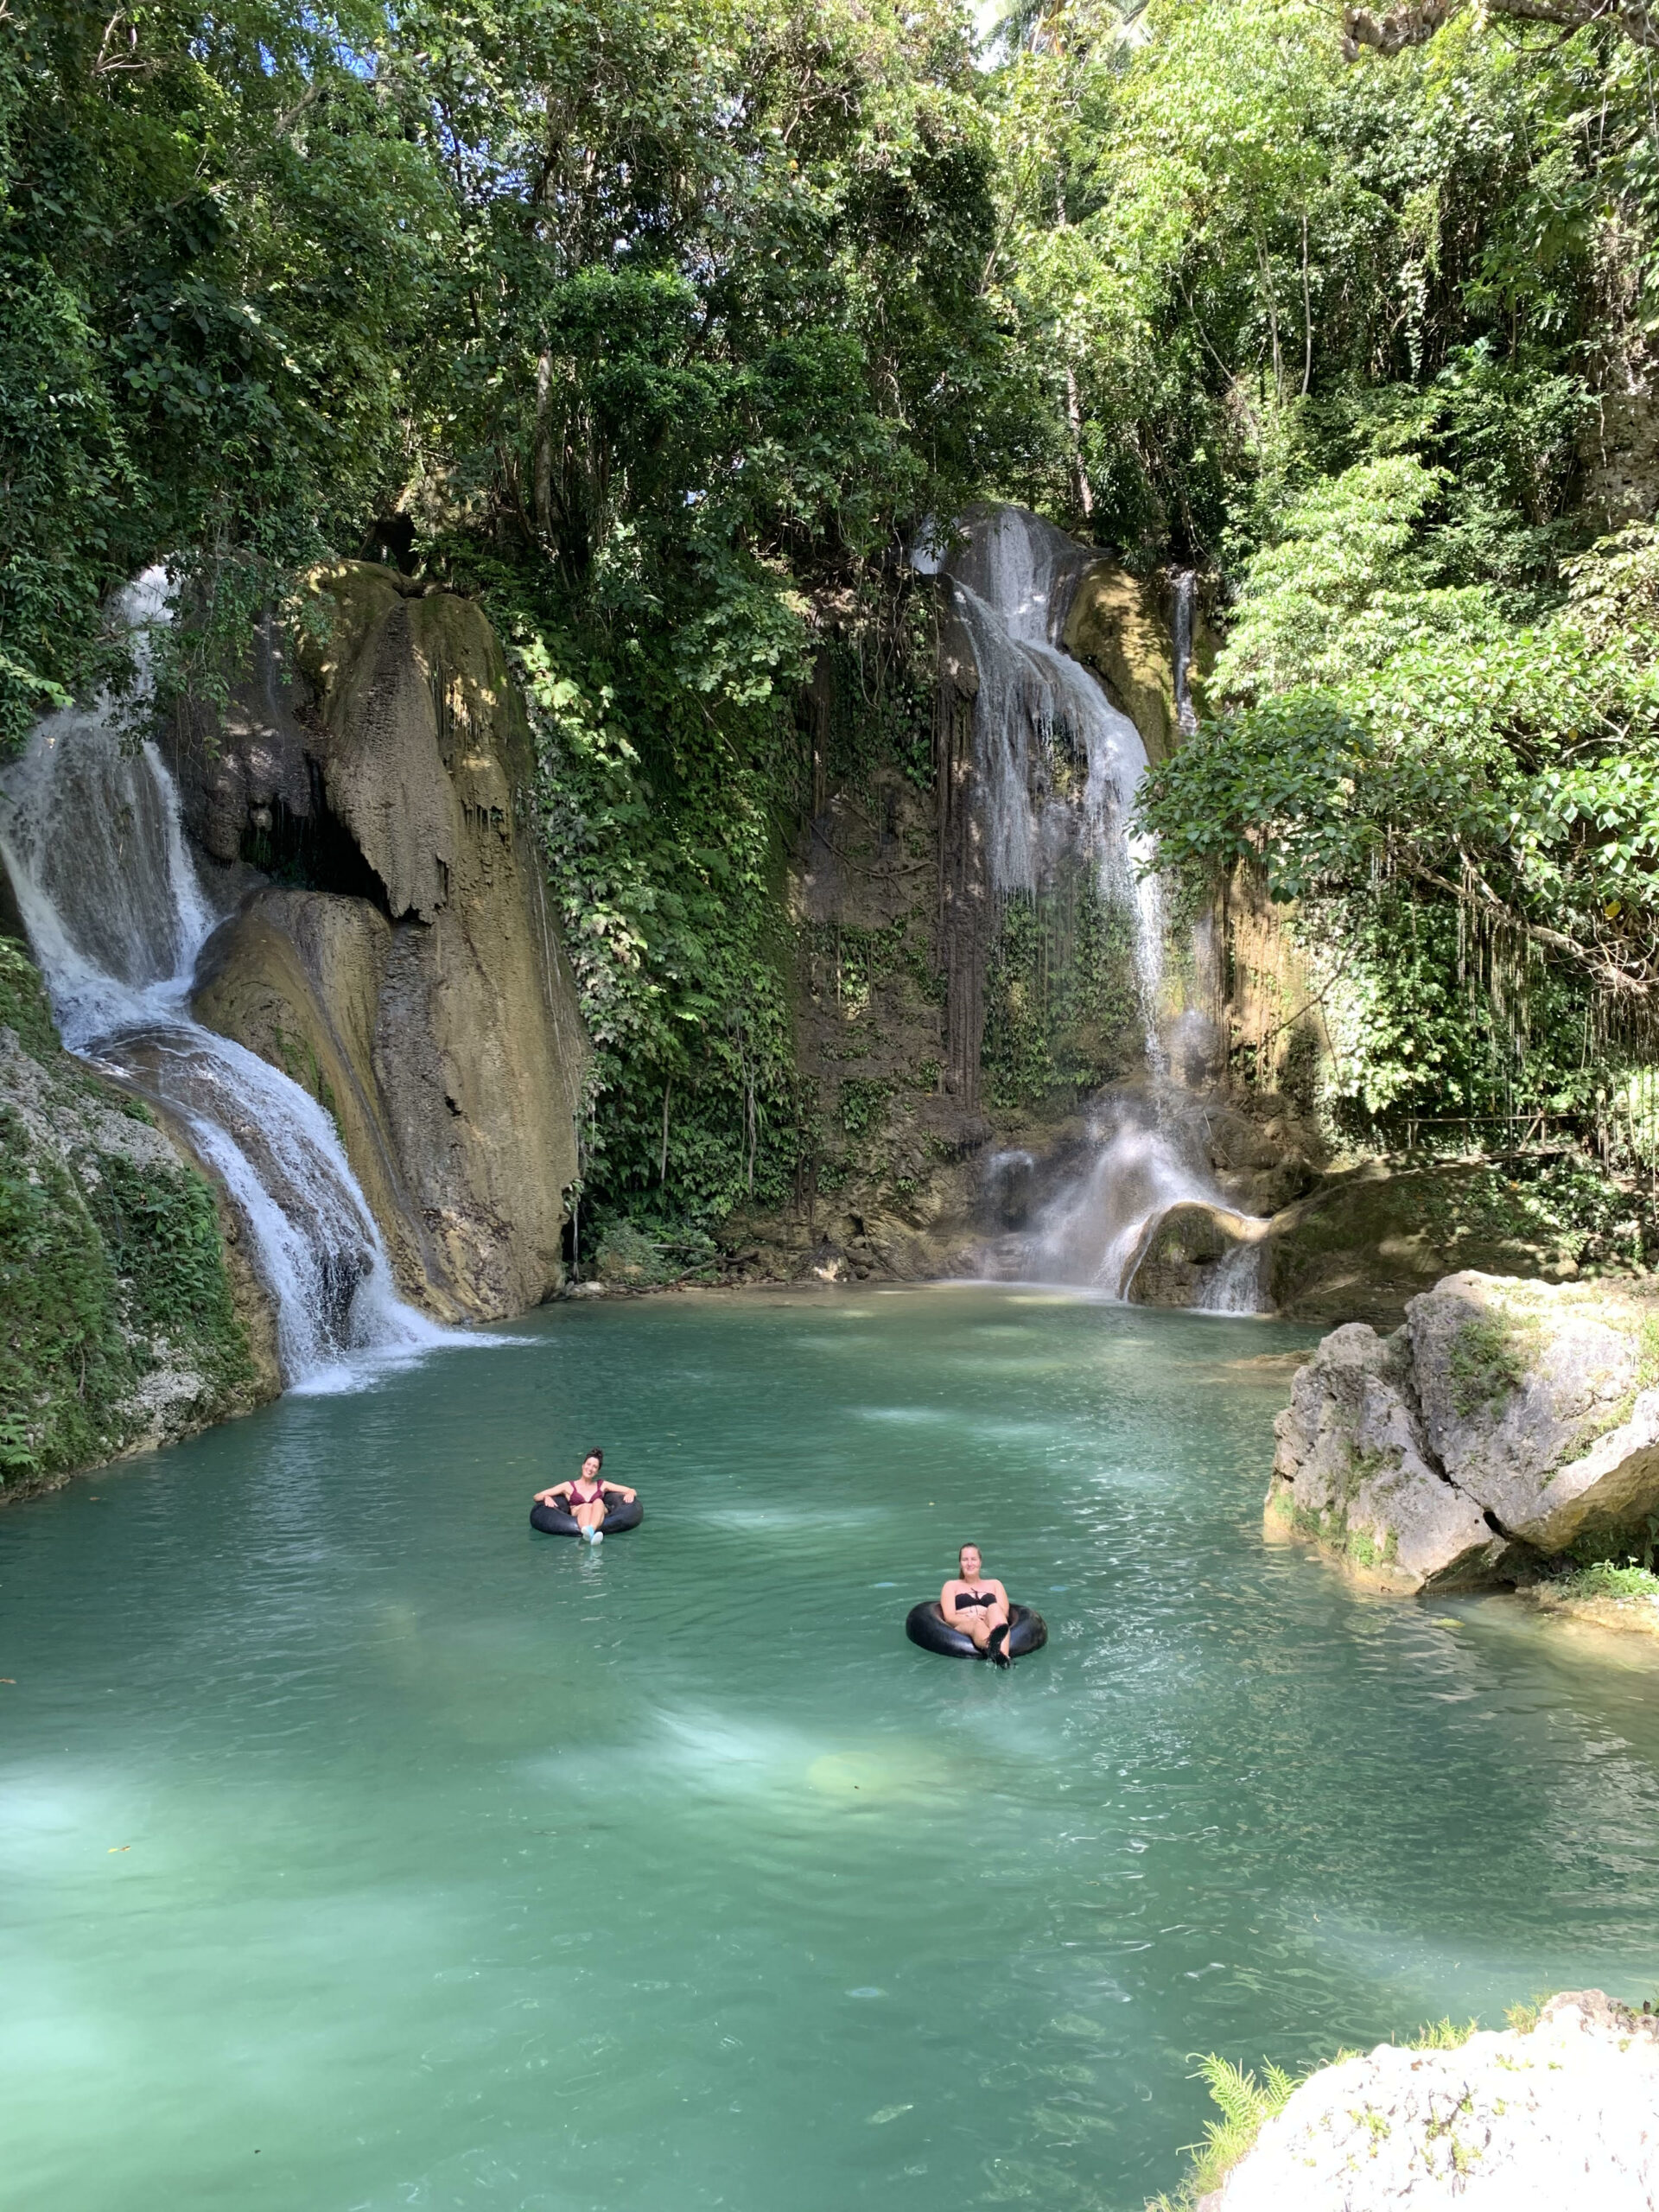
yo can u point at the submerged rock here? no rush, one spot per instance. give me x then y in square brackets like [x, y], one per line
[1565, 2114]
[1505, 1423]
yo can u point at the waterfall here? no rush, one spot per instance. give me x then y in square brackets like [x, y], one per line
[1012, 585]
[1237, 1285]
[1092, 1228]
[91, 837]
[1097, 1220]
[1186, 714]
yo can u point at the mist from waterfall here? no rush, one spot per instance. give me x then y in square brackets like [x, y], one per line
[1012, 584]
[90, 835]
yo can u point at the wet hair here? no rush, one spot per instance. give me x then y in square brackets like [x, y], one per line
[594, 1454]
[968, 1547]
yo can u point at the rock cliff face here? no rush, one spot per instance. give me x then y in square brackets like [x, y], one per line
[930, 1013]
[892, 1186]
[391, 949]
[965, 1049]
[1119, 624]
[1507, 1422]
[1564, 2114]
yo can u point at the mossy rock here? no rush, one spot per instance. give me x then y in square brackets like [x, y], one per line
[118, 1325]
[1371, 1237]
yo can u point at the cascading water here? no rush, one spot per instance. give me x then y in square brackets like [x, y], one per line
[1099, 1218]
[1012, 584]
[1186, 714]
[90, 835]
[1237, 1286]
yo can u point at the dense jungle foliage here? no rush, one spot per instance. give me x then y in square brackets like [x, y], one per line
[663, 328]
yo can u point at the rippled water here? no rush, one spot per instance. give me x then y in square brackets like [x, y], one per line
[358, 1849]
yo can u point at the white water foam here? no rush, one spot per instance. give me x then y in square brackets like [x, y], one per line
[91, 837]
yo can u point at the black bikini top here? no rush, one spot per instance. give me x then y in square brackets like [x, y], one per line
[966, 1600]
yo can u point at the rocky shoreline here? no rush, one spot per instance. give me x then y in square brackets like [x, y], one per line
[1506, 1434]
[1560, 2109]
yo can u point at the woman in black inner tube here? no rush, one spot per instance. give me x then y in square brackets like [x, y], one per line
[584, 1499]
[978, 1607]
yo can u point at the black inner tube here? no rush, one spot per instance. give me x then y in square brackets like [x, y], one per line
[926, 1625]
[620, 1513]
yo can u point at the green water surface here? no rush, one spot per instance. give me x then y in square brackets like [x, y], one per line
[360, 1849]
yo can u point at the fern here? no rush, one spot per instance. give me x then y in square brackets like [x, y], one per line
[1443, 2035]
[1246, 2106]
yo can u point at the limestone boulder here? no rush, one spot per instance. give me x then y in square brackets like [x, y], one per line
[1354, 1472]
[1535, 1402]
[1505, 1423]
[478, 1051]
[1565, 2114]
[1195, 1255]
[408, 970]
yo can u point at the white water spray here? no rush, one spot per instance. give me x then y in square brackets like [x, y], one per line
[90, 835]
[1096, 1228]
[1237, 1286]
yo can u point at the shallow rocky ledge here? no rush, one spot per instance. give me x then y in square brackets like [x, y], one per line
[1505, 1425]
[1565, 2114]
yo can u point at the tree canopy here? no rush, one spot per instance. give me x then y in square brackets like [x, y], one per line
[665, 328]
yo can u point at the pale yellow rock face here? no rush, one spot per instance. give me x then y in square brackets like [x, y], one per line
[1116, 626]
[441, 1033]
[296, 977]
